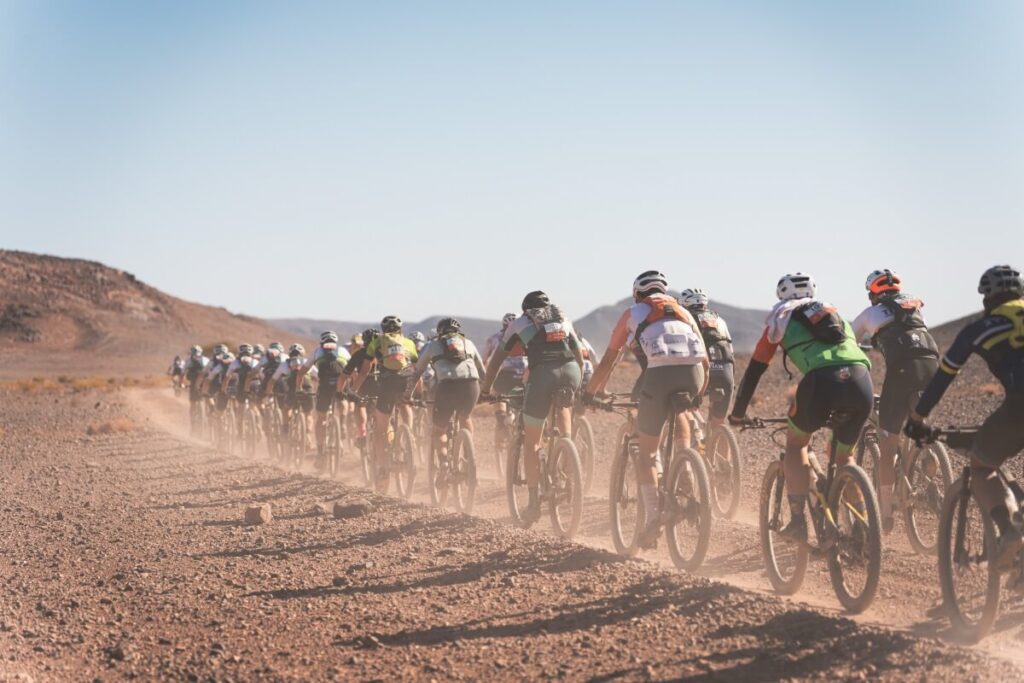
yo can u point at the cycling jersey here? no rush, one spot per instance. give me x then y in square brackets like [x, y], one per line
[896, 326]
[515, 361]
[196, 367]
[240, 367]
[548, 340]
[329, 367]
[472, 367]
[799, 343]
[998, 337]
[377, 351]
[715, 333]
[661, 339]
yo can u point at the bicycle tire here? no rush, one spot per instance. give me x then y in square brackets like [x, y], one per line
[772, 509]
[566, 477]
[871, 544]
[688, 476]
[583, 438]
[515, 479]
[934, 495]
[464, 460]
[726, 506]
[404, 461]
[623, 496]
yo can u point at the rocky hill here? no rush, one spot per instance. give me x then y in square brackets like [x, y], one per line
[78, 317]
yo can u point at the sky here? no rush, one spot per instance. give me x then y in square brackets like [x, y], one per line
[344, 160]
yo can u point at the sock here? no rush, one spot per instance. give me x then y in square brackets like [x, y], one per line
[649, 499]
[796, 505]
[885, 495]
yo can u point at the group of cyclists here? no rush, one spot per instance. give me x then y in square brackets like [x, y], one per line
[539, 371]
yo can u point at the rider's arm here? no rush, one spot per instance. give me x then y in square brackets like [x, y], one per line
[493, 367]
[364, 372]
[759, 361]
[974, 334]
[612, 355]
[422, 363]
[477, 360]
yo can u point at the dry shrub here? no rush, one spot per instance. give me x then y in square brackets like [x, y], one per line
[85, 383]
[114, 426]
[991, 389]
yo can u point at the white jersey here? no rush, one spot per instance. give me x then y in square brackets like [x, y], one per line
[343, 357]
[871, 321]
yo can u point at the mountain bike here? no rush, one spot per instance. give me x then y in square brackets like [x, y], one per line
[398, 459]
[966, 541]
[273, 423]
[847, 538]
[722, 457]
[196, 415]
[684, 492]
[297, 442]
[923, 474]
[247, 426]
[583, 437]
[503, 430]
[333, 447]
[561, 476]
[363, 443]
[452, 474]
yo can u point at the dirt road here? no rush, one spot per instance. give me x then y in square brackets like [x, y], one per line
[125, 555]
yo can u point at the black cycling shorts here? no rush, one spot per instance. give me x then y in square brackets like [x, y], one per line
[390, 389]
[220, 401]
[454, 397]
[721, 384]
[901, 391]
[1001, 435]
[325, 396]
[507, 381]
[301, 400]
[844, 388]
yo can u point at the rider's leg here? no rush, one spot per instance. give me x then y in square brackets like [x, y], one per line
[887, 446]
[999, 438]
[321, 430]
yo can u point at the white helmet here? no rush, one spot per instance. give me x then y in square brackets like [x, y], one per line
[328, 337]
[296, 349]
[796, 286]
[693, 297]
[881, 281]
[648, 281]
[507, 320]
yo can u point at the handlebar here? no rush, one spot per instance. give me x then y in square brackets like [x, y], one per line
[762, 422]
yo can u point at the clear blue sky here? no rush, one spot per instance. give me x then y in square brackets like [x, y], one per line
[344, 160]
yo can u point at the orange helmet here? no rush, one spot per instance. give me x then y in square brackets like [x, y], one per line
[881, 281]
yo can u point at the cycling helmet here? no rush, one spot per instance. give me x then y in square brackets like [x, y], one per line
[448, 326]
[197, 350]
[357, 339]
[369, 334]
[220, 349]
[245, 349]
[649, 282]
[693, 298]
[796, 286]
[1001, 280]
[227, 357]
[296, 350]
[507, 319]
[535, 299]
[418, 337]
[328, 337]
[391, 323]
[276, 346]
[881, 281]
[258, 350]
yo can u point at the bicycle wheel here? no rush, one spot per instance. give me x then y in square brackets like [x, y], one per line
[297, 438]
[515, 480]
[249, 434]
[436, 477]
[502, 443]
[688, 503]
[566, 488]
[869, 457]
[785, 562]
[366, 460]
[624, 509]
[970, 584]
[333, 450]
[723, 457]
[928, 477]
[404, 461]
[583, 438]
[464, 472]
[855, 561]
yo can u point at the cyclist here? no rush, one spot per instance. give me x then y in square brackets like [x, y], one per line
[298, 388]
[556, 364]
[216, 381]
[354, 344]
[204, 378]
[262, 381]
[893, 323]
[998, 337]
[591, 359]
[676, 362]
[419, 339]
[512, 373]
[458, 367]
[718, 342]
[239, 371]
[393, 355]
[177, 372]
[369, 385]
[258, 352]
[329, 360]
[194, 369]
[836, 376]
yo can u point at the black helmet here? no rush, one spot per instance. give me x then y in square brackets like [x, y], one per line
[369, 334]
[537, 299]
[391, 323]
[448, 326]
[1001, 280]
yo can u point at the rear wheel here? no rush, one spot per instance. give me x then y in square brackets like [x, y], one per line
[565, 488]
[334, 445]
[785, 562]
[855, 561]
[515, 480]
[624, 509]
[250, 433]
[502, 442]
[928, 476]
[464, 472]
[688, 530]
[297, 438]
[437, 478]
[723, 457]
[583, 438]
[970, 583]
[404, 461]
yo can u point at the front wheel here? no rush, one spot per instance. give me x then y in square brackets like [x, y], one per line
[624, 510]
[334, 446]
[583, 438]
[928, 477]
[970, 583]
[437, 477]
[565, 492]
[688, 504]
[515, 480]
[785, 561]
[855, 560]
[463, 472]
[404, 461]
[723, 457]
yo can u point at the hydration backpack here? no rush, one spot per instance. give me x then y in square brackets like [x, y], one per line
[453, 347]
[392, 352]
[906, 336]
[551, 343]
[666, 331]
[823, 321]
